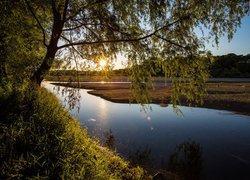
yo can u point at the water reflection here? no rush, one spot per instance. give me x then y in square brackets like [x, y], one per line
[224, 138]
[71, 96]
[141, 156]
[187, 161]
[109, 140]
[102, 107]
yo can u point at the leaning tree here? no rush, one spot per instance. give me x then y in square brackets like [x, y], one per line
[163, 31]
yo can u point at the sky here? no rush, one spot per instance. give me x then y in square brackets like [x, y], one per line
[240, 44]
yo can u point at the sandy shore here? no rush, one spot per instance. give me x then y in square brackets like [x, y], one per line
[233, 96]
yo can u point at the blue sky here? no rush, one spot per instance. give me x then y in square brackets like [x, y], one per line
[240, 44]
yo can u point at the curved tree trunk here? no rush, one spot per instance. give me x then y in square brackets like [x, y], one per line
[43, 70]
[52, 48]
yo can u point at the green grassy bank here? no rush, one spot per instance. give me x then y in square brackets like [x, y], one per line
[40, 140]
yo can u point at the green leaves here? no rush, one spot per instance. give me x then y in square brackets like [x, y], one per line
[22, 42]
[141, 30]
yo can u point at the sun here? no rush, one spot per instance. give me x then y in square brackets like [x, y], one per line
[102, 63]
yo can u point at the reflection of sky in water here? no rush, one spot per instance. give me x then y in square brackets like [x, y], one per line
[224, 136]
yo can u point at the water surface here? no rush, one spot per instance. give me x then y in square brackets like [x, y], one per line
[220, 140]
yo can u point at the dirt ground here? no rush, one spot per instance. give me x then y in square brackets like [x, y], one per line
[233, 96]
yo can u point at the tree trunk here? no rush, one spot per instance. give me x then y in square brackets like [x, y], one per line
[43, 70]
[52, 48]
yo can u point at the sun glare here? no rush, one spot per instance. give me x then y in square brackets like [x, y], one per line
[102, 63]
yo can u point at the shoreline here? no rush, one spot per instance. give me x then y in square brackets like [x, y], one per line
[238, 108]
[222, 96]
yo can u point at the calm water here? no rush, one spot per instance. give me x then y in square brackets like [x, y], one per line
[218, 142]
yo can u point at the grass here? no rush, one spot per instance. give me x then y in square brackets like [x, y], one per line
[40, 140]
[220, 95]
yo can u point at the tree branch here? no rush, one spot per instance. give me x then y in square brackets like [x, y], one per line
[122, 40]
[73, 28]
[80, 54]
[93, 32]
[103, 41]
[65, 10]
[38, 22]
[171, 42]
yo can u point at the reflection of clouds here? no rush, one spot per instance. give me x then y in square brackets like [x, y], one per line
[92, 119]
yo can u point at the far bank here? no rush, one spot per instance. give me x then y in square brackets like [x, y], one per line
[224, 94]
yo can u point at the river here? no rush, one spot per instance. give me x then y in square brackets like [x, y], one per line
[211, 144]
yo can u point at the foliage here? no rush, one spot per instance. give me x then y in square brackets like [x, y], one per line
[162, 31]
[231, 65]
[21, 41]
[188, 77]
[39, 139]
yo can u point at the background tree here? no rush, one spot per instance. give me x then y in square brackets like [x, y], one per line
[20, 47]
[141, 30]
[231, 65]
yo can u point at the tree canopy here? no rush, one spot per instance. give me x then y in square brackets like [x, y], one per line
[159, 30]
[231, 65]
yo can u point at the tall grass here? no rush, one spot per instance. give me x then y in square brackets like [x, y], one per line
[39, 139]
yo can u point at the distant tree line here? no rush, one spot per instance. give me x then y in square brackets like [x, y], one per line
[231, 65]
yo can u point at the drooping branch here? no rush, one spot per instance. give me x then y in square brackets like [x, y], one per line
[76, 63]
[93, 32]
[66, 39]
[73, 28]
[84, 7]
[171, 42]
[38, 22]
[103, 41]
[95, 24]
[123, 40]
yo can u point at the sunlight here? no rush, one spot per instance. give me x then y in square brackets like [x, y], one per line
[103, 111]
[102, 63]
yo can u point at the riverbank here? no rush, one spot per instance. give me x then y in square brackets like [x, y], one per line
[232, 96]
[40, 140]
